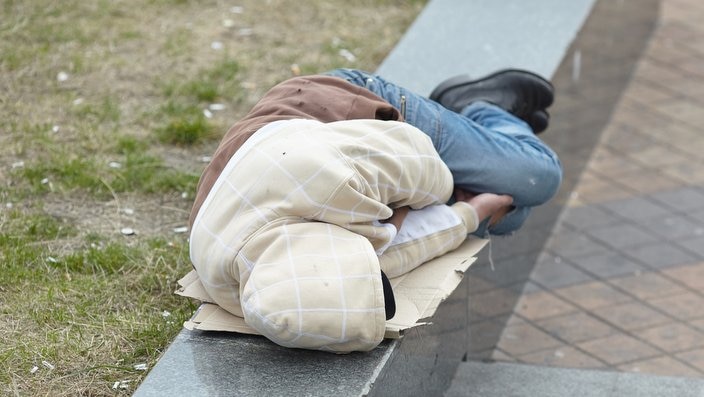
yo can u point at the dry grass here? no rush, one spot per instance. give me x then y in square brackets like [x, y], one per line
[103, 128]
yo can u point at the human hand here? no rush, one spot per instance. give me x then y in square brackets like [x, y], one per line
[487, 205]
[398, 216]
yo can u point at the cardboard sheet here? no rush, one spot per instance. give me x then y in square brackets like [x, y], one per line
[418, 294]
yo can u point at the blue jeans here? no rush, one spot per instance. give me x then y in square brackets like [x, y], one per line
[486, 148]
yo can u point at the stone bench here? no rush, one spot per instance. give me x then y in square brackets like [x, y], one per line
[450, 37]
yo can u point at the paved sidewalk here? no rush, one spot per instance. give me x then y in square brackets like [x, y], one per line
[620, 285]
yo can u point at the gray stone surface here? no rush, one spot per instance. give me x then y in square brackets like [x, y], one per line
[424, 361]
[518, 380]
[220, 364]
[609, 264]
[453, 37]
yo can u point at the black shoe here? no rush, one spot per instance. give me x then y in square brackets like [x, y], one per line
[538, 121]
[519, 92]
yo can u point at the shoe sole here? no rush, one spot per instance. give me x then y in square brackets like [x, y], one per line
[464, 79]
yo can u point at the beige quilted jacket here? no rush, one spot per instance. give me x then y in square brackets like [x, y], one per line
[290, 238]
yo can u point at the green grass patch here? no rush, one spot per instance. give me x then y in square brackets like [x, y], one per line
[183, 118]
[145, 173]
[90, 314]
[22, 238]
[185, 124]
[132, 170]
[106, 260]
[62, 173]
[106, 111]
[178, 43]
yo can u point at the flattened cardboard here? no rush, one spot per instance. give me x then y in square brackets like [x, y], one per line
[418, 294]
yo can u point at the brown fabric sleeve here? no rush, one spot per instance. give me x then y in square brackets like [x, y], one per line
[322, 98]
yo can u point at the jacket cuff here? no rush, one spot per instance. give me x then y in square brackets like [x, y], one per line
[468, 215]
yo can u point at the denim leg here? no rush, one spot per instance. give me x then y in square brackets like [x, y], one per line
[486, 148]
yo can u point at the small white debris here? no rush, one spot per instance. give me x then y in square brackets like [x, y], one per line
[248, 85]
[140, 367]
[77, 101]
[55, 129]
[347, 54]
[62, 76]
[121, 384]
[559, 354]
[576, 65]
[9, 205]
[45, 181]
[34, 369]
[295, 69]
[216, 45]
[182, 229]
[47, 364]
[228, 23]
[114, 164]
[236, 9]
[165, 313]
[127, 231]
[205, 159]
[51, 259]
[18, 164]
[184, 195]
[207, 113]
[216, 106]
[128, 211]
[245, 32]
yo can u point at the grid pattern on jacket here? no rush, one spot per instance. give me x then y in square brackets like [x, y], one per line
[291, 227]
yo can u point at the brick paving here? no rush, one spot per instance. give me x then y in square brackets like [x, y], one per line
[620, 285]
